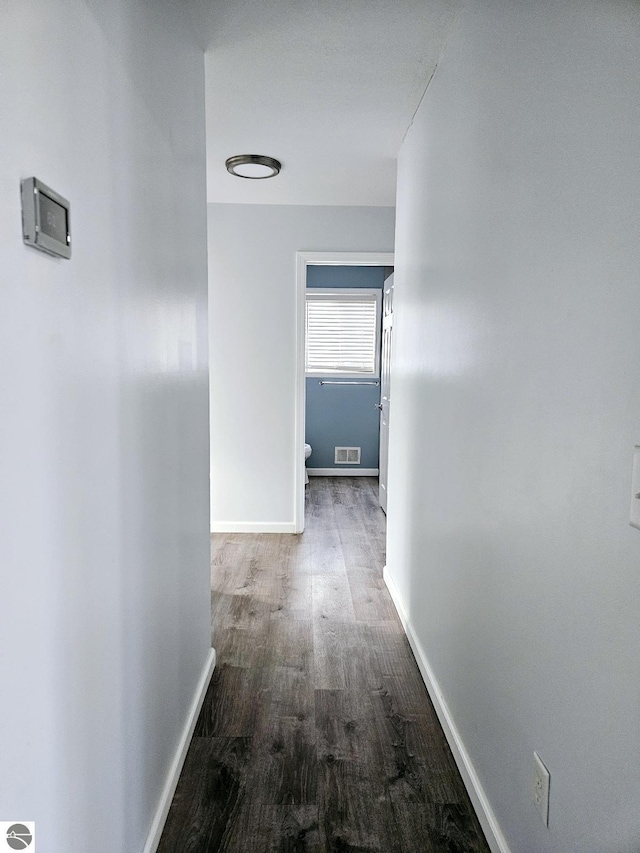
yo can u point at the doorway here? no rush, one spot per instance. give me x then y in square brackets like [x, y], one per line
[304, 260]
[385, 389]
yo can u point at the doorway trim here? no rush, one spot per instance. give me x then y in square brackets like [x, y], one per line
[303, 259]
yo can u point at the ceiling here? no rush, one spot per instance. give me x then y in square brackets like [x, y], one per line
[328, 87]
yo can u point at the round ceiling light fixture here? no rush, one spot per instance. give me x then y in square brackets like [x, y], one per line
[253, 166]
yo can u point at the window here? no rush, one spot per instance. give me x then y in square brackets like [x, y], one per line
[343, 332]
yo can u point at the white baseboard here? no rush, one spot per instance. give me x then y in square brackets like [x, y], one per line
[490, 826]
[253, 527]
[342, 472]
[159, 820]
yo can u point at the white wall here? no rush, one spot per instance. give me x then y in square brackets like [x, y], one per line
[516, 405]
[104, 409]
[252, 263]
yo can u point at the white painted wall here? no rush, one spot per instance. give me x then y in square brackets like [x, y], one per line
[516, 405]
[103, 425]
[252, 263]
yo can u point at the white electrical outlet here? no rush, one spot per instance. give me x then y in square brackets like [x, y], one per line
[635, 489]
[541, 785]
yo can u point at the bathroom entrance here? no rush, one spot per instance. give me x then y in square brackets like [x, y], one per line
[340, 333]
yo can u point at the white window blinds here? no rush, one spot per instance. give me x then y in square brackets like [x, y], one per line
[342, 334]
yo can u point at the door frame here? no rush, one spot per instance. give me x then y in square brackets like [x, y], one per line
[303, 260]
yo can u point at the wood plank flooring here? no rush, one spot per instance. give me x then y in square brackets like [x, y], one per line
[317, 734]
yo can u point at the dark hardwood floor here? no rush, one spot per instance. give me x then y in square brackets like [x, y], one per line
[317, 734]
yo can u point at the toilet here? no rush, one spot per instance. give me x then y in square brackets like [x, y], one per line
[307, 454]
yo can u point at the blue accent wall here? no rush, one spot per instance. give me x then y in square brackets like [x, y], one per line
[342, 415]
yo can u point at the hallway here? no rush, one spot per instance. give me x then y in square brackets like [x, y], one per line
[317, 733]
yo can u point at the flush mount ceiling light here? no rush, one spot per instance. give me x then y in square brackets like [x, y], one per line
[254, 166]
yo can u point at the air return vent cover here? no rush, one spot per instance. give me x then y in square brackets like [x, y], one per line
[347, 456]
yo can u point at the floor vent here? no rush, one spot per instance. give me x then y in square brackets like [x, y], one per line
[347, 456]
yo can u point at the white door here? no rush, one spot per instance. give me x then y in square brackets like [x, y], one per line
[385, 377]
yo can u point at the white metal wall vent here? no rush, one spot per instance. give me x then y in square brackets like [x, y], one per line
[347, 456]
